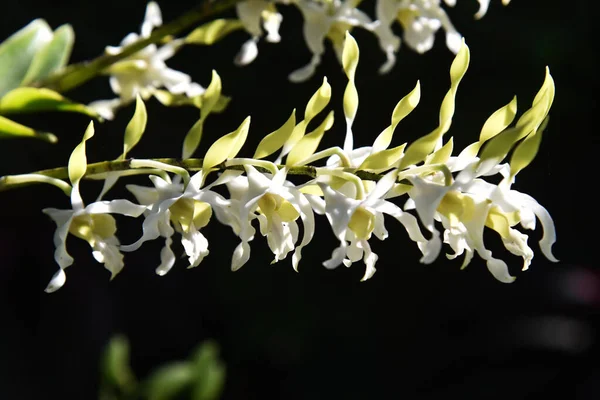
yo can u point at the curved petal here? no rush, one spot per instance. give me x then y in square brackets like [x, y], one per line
[57, 281]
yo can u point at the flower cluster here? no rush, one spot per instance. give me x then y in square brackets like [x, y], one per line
[355, 188]
[145, 72]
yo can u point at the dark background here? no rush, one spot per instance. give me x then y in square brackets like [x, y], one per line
[412, 331]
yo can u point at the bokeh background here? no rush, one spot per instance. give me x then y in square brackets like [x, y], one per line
[413, 330]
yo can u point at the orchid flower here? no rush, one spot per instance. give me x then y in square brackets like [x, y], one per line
[278, 205]
[174, 207]
[145, 71]
[326, 18]
[420, 21]
[354, 220]
[92, 223]
[253, 13]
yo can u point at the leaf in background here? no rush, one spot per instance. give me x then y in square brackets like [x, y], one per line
[18, 51]
[210, 372]
[53, 56]
[213, 31]
[307, 146]
[28, 100]
[170, 380]
[116, 369]
[11, 130]
[136, 126]
[227, 146]
[275, 140]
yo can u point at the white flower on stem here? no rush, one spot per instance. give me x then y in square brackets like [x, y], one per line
[331, 19]
[92, 223]
[277, 204]
[95, 225]
[420, 21]
[253, 14]
[354, 220]
[145, 71]
[174, 207]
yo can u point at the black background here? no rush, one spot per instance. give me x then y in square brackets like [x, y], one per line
[412, 331]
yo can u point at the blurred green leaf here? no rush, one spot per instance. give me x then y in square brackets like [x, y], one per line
[173, 100]
[18, 51]
[116, 368]
[213, 31]
[53, 56]
[28, 99]
[210, 372]
[11, 130]
[170, 380]
[136, 126]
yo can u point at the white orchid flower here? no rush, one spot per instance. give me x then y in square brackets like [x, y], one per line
[420, 20]
[354, 220]
[92, 223]
[277, 204]
[174, 207]
[145, 71]
[253, 14]
[331, 19]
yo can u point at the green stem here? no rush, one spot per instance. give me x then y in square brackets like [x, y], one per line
[77, 74]
[97, 170]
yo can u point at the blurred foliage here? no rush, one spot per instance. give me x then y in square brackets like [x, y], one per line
[200, 377]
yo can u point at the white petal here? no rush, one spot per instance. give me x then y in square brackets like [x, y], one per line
[144, 195]
[150, 226]
[63, 220]
[271, 25]
[337, 257]
[195, 245]
[308, 222]
[106, 108]
[109, 255]
[247, 53]
[241, 255]
[427, 197]
[152, 19]
[57, 281]
[549, 236]
[499, 269]
[119, 206]
[167, 258]
[370, 259]
[302, 74]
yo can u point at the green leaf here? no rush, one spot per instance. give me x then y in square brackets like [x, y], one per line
[422, 147]
[136, 126]
[78, 159]
[499, 121]
[210, 101]
[116, 368]
[29, 100]
[227, 146]
[442, 155]
[383, 160]
[210, 372]
[18, 51]
[53, 56]
[275, 140]
[350, 55]
[307, 146]
[11, 130]
[170, 380]
[318, 101]
[213, 31]
[526, 151]
[404, 107]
